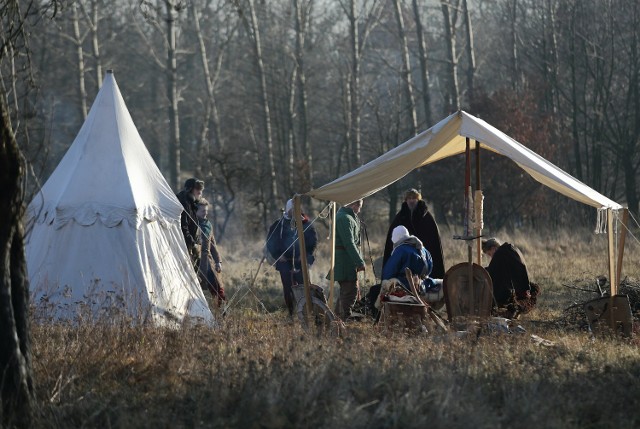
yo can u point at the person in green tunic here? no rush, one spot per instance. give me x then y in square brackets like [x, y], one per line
[348, 260]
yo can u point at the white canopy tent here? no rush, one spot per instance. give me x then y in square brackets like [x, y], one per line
[448, 138]
[104, 233]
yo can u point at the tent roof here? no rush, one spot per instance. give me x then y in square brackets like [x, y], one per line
[445, 139]
[107, 172]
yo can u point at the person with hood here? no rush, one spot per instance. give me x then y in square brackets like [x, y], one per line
[189, 197]
[284, 248]
[415, 216]
[511, 286]
[409, 252]
[210, 262]
[348, 259]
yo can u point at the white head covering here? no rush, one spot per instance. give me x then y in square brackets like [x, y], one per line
[287, 208]
[399, 233]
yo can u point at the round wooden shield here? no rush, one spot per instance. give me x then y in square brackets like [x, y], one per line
[468, 292]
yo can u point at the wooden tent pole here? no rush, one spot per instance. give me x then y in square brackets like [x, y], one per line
[467, 221]
[623, 236]
[478, 201]
[332, 281]
[612, 250]
[303, 253]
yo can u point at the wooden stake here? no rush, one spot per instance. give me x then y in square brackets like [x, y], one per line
[478, 188]
[303, 254]
[623, 236]
[333, 253]
[468, 230]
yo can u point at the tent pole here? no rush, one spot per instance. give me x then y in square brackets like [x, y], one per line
[478, 200]
[623, 236]
[303, 253]
[467, 219]
[612, 265]
[333, 253]
[612, 268]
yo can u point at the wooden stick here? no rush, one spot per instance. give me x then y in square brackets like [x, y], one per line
[333, 253]
[623, 236]
[303, 254]
[467, 232]
[478, 188]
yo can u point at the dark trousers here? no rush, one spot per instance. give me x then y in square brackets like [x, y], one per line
[348, 296]
[289, 278]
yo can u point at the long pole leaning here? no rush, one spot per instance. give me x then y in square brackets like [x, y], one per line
[297, 207]
[478, 206]
[332, 277]
[612, 267]
[623, 237]
[467, 218]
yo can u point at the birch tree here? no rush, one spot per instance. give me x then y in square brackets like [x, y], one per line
[406, 69]
[16, 381]
[253, 30]
[450, 17]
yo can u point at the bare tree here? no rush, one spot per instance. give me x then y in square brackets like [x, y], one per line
[253, 30]
[79, 40]
[16, 383]
[92, 17]
[450, 15]
[406, 69]
[422, 58]
[471, 56]
[301, 23]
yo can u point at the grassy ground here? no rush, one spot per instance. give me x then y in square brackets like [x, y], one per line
[261, 371]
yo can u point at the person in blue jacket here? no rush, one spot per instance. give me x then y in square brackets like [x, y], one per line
[409, 252]
[284, 248]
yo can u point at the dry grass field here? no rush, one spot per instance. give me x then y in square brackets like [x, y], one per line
[261, 371]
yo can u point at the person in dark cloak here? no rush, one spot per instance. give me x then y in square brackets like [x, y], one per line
[415, 216]
[189, 197]
[511, 286]
[210, 265]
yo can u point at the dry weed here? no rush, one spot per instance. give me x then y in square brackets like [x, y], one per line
[261, 371]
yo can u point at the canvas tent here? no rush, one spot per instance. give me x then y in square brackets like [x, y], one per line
[104, 233]
[448, 138]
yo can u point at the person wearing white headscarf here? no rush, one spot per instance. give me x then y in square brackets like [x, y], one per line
[408, 252]
[283, 247]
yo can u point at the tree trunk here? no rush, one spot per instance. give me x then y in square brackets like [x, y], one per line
[257, 46]
[77, 38]
[93, 20]
[514, 46]
[16, 385]
[211, 110]
[301, 19]
[406, 70]
[424, 70]
[471, 56]
[354, 89]
[574, 99]
[172, 95]
[291, 140]
[453, 102]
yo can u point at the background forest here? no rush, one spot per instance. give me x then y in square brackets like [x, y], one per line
[263, 99]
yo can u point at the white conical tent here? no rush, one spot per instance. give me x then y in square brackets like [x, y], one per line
[104, 233]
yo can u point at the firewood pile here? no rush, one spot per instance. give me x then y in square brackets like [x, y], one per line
[574, 317]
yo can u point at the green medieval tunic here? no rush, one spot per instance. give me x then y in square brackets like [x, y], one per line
[348, 257]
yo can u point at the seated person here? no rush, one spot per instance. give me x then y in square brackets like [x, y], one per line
[409, 252]
[511, 286]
